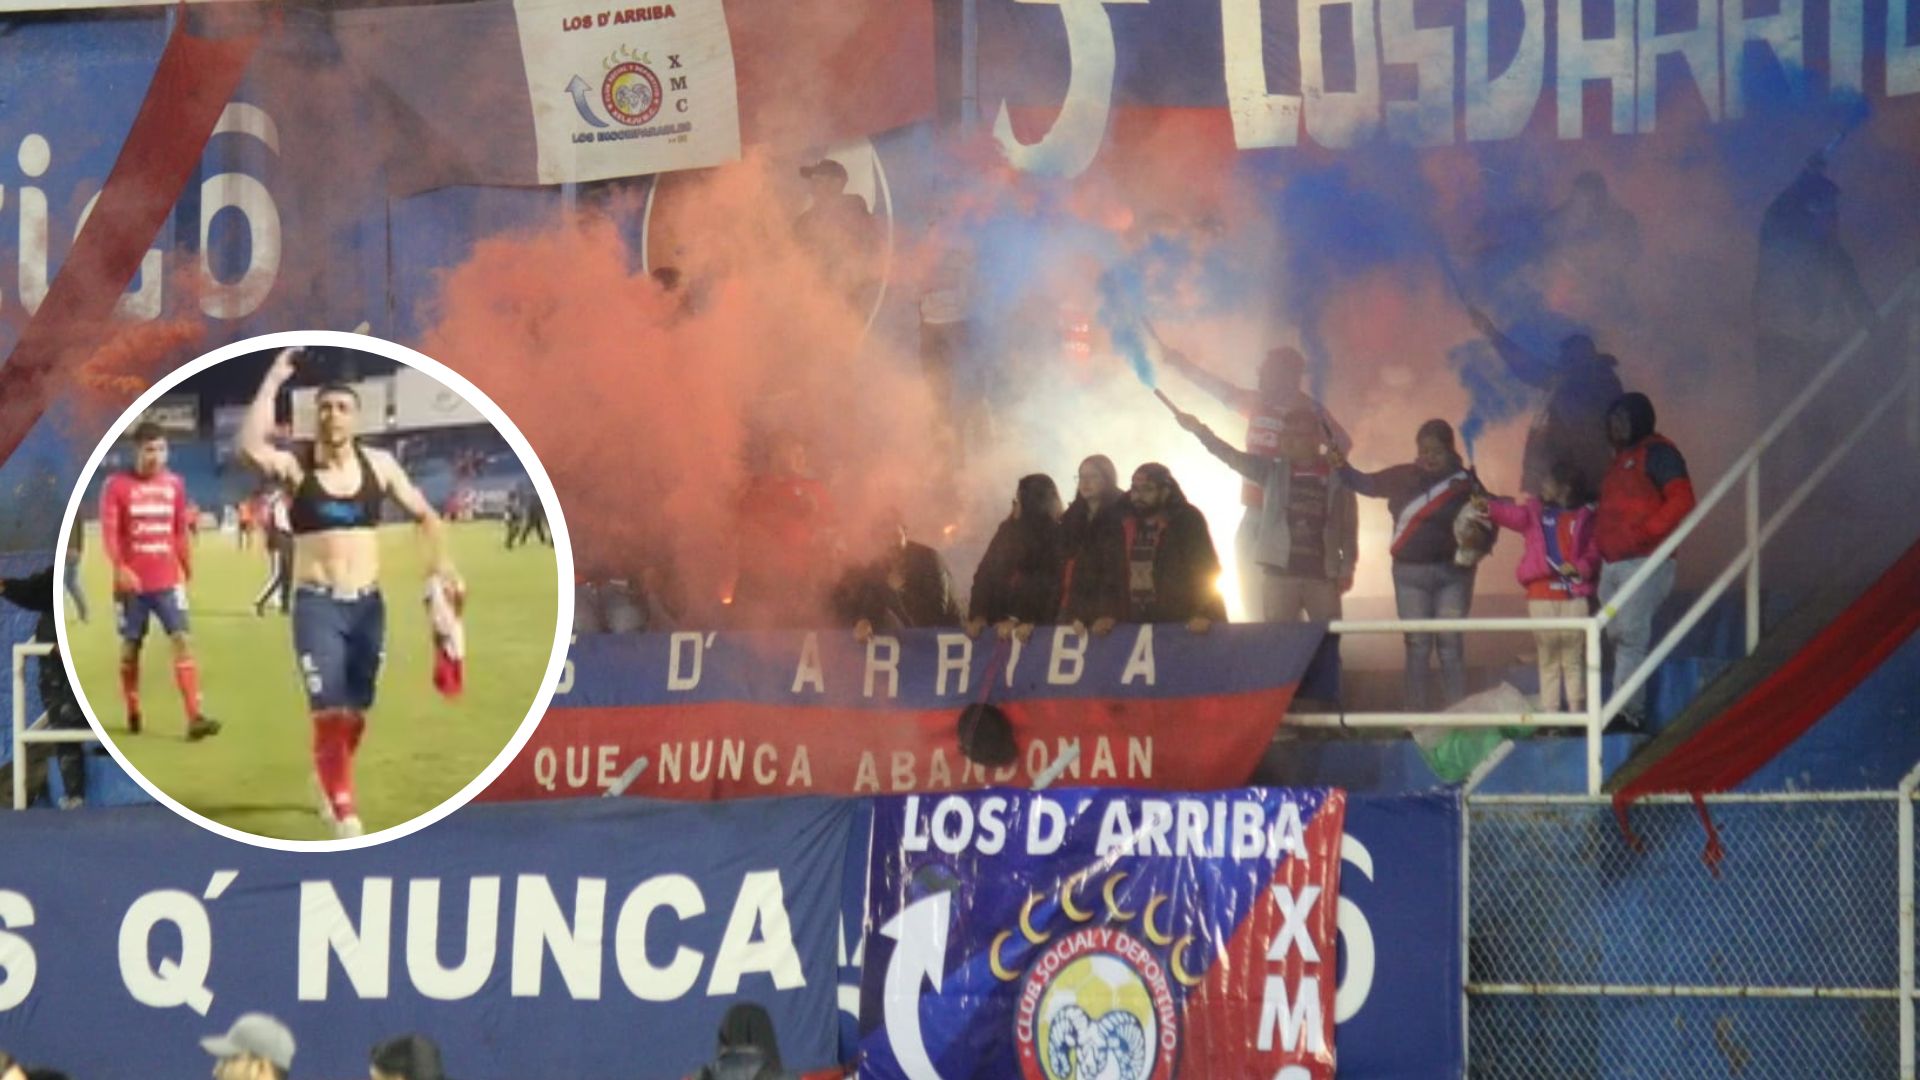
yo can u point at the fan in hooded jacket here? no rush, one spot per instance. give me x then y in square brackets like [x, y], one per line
[1644, 497]
[1017, 585]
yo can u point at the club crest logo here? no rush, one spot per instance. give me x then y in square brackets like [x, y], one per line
[631, 91]
[1097, 1006]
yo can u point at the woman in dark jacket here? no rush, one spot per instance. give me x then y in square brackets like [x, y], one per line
[1094, 547]
[1017, 585]
[1429, 582]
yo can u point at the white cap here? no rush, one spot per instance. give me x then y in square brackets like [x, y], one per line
[257, 1034]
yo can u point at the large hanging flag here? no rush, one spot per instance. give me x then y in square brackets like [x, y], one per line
[694, 715]
[1081, 935]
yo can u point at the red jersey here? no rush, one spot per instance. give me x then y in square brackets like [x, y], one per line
[143, 525]
[1264, 421]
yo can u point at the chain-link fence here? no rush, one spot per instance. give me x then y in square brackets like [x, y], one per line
[1588, 958]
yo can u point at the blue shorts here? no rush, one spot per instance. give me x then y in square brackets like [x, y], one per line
[340, 641]
[167, 605]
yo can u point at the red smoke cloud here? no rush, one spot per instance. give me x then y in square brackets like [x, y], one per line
[122, 366]
[647, 416]
[649, 410]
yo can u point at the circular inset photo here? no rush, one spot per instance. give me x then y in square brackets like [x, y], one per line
[340, 589]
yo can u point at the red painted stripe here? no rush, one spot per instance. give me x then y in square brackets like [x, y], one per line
[1770, 716]
[191, 85]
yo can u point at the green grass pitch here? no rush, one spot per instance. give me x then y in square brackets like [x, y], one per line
[256, 775]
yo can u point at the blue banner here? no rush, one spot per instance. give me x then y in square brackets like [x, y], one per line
[482, 933]
[59, 135]
[1401, 970]
[584, 940]
[1073, 935]
[921, 669]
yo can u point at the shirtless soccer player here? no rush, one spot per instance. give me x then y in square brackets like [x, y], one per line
[339, 618]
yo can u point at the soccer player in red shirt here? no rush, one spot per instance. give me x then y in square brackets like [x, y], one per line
[143, 529]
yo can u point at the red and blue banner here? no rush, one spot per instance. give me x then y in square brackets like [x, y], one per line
[1084, 934]
[720, 715]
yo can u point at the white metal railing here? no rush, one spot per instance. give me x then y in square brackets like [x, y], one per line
[1591, 720]
[1601, 710]
[1748, 468]
[24, 732]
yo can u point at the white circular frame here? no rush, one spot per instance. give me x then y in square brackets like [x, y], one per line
[556, 522]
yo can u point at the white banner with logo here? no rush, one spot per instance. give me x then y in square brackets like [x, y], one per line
[627, 91]
[422, 401]
[177, 414]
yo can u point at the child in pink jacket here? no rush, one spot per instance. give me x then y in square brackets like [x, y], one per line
[1560, 569]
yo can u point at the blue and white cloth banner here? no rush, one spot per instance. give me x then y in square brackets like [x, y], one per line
[587, 939]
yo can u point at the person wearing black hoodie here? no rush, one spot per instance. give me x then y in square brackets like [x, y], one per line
[36, 593]
[748, 1048]
[1173, 572]
[1017, 585]
[1424, 497]
[1093, 550]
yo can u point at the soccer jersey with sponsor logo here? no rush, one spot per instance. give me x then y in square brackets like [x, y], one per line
[143, 525]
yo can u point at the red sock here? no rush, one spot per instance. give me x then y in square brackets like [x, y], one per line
[332, 758]
[186, 675]
[130, 684]
[344, 804]
[356, 727]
